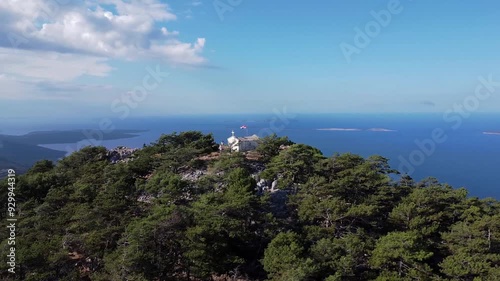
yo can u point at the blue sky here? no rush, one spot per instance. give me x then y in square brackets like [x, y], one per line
[83, 59]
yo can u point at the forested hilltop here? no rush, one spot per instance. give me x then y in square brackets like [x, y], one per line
[177, 209]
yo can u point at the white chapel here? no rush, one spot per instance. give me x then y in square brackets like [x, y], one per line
[242, 144]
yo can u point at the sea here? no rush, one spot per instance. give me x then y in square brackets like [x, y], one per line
[462, 150]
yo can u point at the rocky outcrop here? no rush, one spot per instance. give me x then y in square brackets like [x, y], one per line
[146, 198]
[193, 175]
[262, 186]
[120, 154]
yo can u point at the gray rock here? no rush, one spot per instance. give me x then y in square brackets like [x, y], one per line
[120, 154]
[262, 185]
[193, 175]
[274, 186]
[146, 198]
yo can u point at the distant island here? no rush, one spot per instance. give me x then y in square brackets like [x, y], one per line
[340, 129]
[381, 130]
[491, 133]
[356, 129]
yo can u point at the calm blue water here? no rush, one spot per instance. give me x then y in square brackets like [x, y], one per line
[466, 158]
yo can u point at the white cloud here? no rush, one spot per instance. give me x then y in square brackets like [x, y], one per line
[45, 46]
[180, 52]
[52, 66]
[152, 8]
[166, 32]
[109, 28]
[20, 88]
[47, 75]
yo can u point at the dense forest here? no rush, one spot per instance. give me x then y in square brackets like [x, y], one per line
[178, 209]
